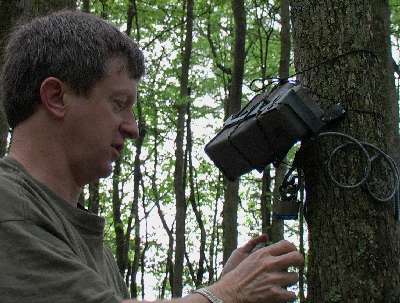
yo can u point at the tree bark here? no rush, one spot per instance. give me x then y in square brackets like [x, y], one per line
[42, 7]
[284, 61]
[265, 201]
[277, 227]
[118, 224]
[86, 6]
[179, 183]
[354, 240]
[229, 223]
[213, 250]
[134, 214]
[94, 197]
[198, 277]
[156, 196]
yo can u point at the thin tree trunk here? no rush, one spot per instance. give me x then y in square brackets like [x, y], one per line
[284, 61]
[94, 197]
[169, 264]
[145, 247]
[86, 6]
[179, 162]
[264, 36]
[354, 239]
[265, 201]
[118, 224]
[301, 242]
[198, 281]
[214, 235]
[131, 14]
[137, 179]
[134, 214]
[277, 227]
[229, 223]
[42, 7]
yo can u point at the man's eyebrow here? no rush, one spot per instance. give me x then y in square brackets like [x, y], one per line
[122, 91]
[127, 97]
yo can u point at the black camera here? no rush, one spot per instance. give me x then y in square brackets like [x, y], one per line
[265, 129]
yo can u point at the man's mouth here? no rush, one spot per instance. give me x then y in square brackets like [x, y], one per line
[118, 147]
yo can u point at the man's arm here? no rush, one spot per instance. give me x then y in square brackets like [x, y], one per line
[260, 277]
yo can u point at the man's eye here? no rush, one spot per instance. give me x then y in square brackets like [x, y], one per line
[118, 105]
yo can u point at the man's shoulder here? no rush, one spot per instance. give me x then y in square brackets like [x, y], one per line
[12, 195]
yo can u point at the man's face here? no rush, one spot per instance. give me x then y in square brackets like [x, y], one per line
[96, 126]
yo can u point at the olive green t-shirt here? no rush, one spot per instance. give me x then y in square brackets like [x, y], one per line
[50, 251]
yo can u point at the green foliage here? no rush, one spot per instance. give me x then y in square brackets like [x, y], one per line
[395, 17]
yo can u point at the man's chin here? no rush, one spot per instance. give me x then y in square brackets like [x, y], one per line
[106, 171]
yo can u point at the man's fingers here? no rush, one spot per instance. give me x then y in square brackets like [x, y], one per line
[282, 262]
[275, 293]
[283, 279]
[284, 295]
[279, 248]
[248, 247]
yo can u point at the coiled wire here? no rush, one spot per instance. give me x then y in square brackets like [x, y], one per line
[364, 147]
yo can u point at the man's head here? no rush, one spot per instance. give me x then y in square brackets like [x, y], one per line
[73, 47]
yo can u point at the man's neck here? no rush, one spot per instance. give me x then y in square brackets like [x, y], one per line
[47, 165]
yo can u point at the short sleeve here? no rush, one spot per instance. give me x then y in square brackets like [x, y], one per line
[36, 266]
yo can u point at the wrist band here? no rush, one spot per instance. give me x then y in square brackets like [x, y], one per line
[205, 292]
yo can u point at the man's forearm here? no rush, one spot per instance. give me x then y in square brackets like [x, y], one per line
[192, 298]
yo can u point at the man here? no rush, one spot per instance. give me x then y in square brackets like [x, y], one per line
[69, 82]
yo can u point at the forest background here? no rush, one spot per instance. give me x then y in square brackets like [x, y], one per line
[171, 217]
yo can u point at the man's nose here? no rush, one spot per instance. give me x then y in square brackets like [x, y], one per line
[129, 127]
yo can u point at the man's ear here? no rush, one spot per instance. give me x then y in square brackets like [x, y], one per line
[52, 96]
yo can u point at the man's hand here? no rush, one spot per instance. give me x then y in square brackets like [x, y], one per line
[241, 253]
[262, 276]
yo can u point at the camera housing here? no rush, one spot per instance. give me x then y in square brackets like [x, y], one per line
[265, 129]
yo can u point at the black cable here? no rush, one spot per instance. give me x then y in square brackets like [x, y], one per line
[324, 62]
[364, 146]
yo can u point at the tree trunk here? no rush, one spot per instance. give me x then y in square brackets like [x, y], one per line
[301, 244]
[276, 230]
[94, 197]
[134, 214]
[277, 227]
[179, 162]
[118, 224]
[284, 61]
[264, 36]
[265, 199]
[86, 6]
[198, 278]
[354, 239]
[214, 236]
[42, 7]
[229, 223]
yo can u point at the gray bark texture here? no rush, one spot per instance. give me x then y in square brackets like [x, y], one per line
[42, 7]
[86, 6]
[276, 232]
[354, 240]
[93, 202]
[179, 182]
[117, 221]
[229, 223]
